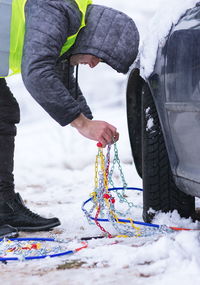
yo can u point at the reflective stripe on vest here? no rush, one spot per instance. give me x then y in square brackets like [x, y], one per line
[12, 30]
[5, 23]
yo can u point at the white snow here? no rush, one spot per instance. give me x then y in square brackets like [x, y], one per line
[54, 173]
[167, 14]
[150, 122]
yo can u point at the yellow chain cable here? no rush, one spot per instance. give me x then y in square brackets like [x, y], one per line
[122, 236]
[96, 180]
[138, 233]
[103, 169]
[100, 166]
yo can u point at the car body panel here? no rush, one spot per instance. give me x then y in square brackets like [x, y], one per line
[175, 87]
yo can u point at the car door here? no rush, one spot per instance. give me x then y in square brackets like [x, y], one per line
[182, 89]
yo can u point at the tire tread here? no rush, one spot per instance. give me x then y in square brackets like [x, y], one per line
[160, 191]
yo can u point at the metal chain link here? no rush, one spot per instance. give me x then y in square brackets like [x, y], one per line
[104, 202]
[121, 194]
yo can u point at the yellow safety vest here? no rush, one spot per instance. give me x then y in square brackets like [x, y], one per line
[12, 30]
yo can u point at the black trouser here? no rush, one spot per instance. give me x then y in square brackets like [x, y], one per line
[9, 116]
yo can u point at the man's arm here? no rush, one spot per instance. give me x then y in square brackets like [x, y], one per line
[48, 24]
[96, 130]
[67, 72]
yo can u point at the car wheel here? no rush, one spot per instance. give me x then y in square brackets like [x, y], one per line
[160, 192]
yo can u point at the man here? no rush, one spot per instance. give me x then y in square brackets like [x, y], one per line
[56, 39]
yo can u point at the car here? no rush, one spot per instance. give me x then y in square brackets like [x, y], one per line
[163, 113]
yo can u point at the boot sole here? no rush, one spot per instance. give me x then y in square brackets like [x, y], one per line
[40, 228]
[10, 235]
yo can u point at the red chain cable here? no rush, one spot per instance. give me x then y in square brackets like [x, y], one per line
[85, 245]
[98, 224]
[107, 167]
[182, 229]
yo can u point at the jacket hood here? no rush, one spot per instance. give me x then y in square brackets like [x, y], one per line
[110, 35]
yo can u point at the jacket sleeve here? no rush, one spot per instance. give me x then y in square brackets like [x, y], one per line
[47, 28]
[66, 74]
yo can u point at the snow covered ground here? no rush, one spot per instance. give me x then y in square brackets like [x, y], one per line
[54, 173]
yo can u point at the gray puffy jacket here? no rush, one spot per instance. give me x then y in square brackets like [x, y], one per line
[109, 35]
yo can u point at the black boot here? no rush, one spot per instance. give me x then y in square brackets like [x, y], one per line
[15, 213]
[12, 210]
[7, 231]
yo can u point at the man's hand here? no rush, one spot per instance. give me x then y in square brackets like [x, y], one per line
[96, 130]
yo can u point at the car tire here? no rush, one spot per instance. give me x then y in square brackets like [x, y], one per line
[133, 106]
[160, 192]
